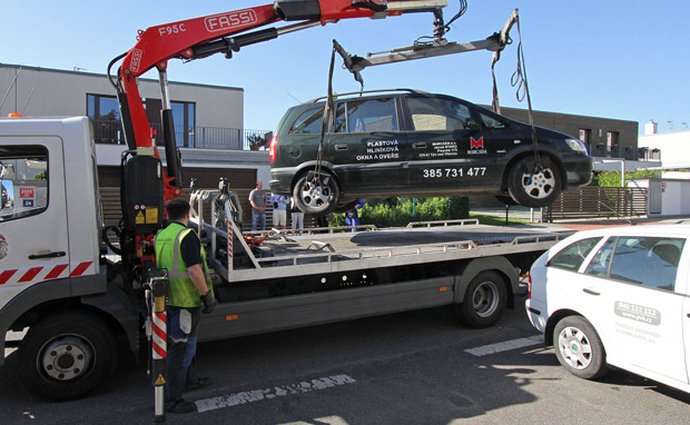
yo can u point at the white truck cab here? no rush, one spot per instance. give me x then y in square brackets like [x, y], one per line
[618, 297]
[49, 224]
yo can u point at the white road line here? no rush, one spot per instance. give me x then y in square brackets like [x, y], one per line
[499, 347]
[253, 396]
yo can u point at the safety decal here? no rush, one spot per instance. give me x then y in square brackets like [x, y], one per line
[40, 274]
[4, 247]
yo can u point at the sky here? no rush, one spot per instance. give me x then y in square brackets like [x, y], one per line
[624, 59]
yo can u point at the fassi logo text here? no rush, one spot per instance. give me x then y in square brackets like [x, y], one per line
[230, 20]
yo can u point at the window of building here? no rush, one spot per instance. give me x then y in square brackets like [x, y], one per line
[23, 181]
[437, 114]
[586, 136]
[184, 115]
[105, 113]
[612, 139]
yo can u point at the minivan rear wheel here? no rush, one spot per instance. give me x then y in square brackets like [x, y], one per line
[316, 193]
[532, 186]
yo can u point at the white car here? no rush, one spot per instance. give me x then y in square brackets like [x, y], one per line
[617, 297]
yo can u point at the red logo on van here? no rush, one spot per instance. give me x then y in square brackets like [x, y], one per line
[476, 143]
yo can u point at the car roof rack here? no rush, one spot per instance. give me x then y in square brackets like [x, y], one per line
[340, 95]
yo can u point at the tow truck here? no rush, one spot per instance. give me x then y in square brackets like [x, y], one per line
[76, 303]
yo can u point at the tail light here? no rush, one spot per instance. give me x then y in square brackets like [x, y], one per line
[529, 286]
[273, 149]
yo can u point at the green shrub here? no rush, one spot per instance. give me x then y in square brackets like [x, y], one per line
[613, 178]
[396, 212]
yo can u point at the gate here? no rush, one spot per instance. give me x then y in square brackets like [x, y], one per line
[598, 202]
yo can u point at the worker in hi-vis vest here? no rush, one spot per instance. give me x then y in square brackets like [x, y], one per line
[179, 250]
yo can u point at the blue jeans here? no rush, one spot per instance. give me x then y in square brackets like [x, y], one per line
[258, 220]
[181, 352]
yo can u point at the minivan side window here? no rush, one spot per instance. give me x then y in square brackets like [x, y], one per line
[491, 122]
[23, 181]
[572, 256]
[309, 121]
[371, 115]
[430, 113]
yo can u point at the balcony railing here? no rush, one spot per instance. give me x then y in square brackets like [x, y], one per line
[200, 137]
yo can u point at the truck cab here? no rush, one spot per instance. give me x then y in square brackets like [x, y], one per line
[50, 270]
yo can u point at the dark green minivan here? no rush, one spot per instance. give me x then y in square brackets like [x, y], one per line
[410, 143]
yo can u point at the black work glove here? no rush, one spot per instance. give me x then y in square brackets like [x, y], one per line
[209, 302]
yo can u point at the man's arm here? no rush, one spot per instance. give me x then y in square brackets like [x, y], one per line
[196, 273]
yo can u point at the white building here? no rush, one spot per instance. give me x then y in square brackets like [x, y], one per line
[209, 121]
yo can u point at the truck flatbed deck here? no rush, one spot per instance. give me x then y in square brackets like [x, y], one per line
[337, 252]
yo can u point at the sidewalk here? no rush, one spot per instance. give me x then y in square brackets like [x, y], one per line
[524, 213]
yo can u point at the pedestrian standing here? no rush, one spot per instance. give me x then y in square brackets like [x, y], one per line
[279, 210]
[352, 216]
[179, 250]
[296, 217]
[257, 199]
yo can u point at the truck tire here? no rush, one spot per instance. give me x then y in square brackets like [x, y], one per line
[66, 356]
[579, 348]
[485, 300]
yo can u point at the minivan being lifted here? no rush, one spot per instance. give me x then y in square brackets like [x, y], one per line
[411, 143]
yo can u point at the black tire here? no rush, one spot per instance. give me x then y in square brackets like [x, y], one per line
[316, 194]
[485, 300]
[579, 348]
[66, 356]
[535, 190]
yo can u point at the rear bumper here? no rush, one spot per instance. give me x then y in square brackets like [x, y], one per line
[536, 313]
[281, 180]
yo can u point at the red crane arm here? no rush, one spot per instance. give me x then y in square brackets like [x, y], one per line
[202, 36]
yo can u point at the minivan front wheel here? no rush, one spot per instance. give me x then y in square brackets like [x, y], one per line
[316, 193]
[533, 186]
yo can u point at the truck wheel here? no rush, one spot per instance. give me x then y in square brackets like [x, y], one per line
[66, 356]
[485, 300]
[316, 194]
[579, 348]
[534, 188]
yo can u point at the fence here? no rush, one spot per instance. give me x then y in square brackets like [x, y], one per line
[596, 202]
[109, 131]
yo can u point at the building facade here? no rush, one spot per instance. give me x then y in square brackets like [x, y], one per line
[208, 122]
[604, 137]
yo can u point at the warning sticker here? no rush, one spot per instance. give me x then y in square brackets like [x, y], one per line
[159, 380]
[139, 219]
[151, 215]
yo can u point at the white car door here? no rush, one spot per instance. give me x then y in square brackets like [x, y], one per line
[639, 315]
[33, 179]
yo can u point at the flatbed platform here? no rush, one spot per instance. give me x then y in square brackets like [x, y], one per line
[337, 252]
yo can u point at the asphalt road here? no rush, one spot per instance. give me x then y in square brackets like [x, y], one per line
[410, 368]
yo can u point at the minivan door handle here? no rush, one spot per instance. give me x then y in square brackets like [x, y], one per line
[341, 147]
[48, 255]
[590, 292]
[419, 145]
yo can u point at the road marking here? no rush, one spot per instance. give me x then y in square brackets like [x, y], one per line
[329, 420]
[499, 347]
[253, 396]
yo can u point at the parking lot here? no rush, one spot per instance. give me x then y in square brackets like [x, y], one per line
[413, 368]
